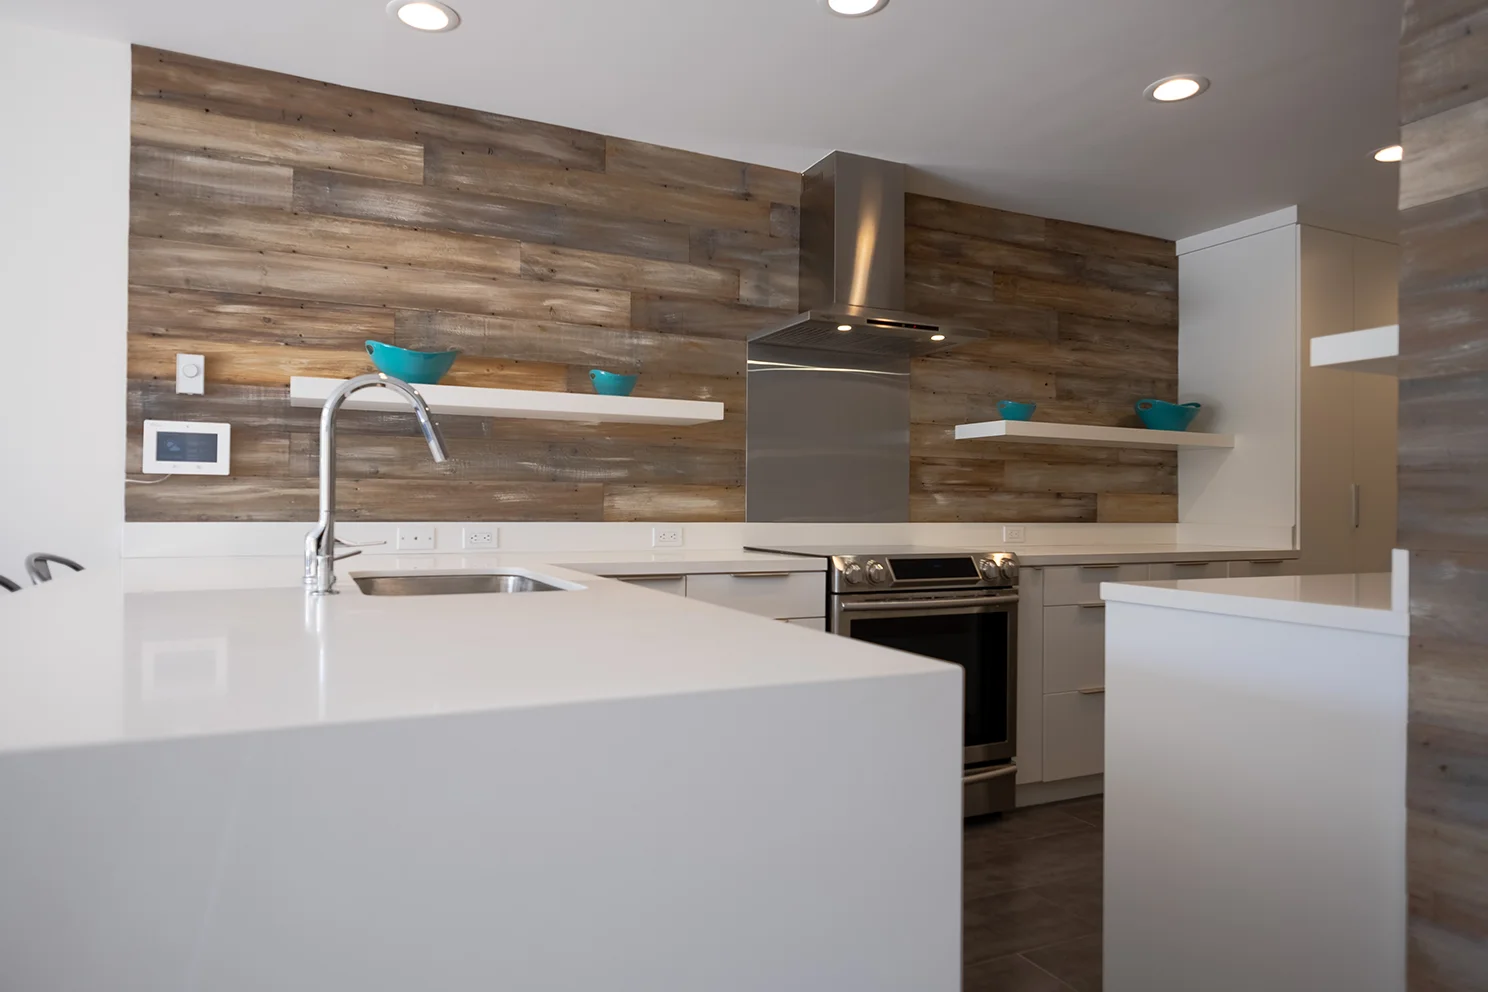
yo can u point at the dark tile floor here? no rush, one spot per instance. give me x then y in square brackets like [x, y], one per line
[1032, 891]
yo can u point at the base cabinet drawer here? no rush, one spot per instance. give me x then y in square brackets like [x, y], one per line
[1068, 585]
[1169, 570]
[1074, 735]
[779, 595]
[1247, 569]
[810, 623]
[674, 584]
[1074, 648]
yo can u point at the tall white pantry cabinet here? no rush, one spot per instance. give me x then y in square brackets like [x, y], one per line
[1315, 448]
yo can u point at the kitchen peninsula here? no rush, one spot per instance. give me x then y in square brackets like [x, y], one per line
[213, 778]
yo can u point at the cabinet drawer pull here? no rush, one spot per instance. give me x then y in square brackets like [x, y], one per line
[650, 578]
[1092, 606]
[1001, 772]
[1100, 566]
[760, 575]
[1098, 690]
[1267, 561]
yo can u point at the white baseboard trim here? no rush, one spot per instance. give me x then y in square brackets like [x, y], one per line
[1038, 793]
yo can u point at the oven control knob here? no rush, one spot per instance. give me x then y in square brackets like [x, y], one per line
[1010, 570]
[877, 573]
[853, 573]
[988, 567]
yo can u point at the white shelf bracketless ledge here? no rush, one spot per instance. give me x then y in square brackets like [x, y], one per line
[1038, 432]
[1375, 350]
[520, 404]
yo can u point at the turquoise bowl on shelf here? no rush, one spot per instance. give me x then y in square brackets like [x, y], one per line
[1013, 410]
[612, 383]
[1159, 415]
[425, 367]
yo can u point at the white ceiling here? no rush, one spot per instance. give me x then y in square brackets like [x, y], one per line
[1031, 105]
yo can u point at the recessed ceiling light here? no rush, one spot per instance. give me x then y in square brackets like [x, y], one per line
[937, 337]
[425, 15]
[1389, 153]
[855, 8]
[1174, 88]
[844, 327]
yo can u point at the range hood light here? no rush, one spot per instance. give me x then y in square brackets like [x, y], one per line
[844, 327]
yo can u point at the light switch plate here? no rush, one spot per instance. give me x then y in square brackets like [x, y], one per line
[191, 374]
[416, 538]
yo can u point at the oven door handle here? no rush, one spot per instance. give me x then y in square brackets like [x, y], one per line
[925, 605]
[1002, 771]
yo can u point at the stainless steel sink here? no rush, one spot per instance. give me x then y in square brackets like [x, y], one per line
[450, 584]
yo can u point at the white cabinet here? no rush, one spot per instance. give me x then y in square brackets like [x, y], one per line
[1169, 570]
[1074, 735]
[1070, 585]
[1074, 648]
[780, 595]
[1265, 567]
[676, 585]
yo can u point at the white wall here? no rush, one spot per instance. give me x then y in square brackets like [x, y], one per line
[64, 219]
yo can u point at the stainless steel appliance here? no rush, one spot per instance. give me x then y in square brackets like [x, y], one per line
[956, 606]
[828, 415]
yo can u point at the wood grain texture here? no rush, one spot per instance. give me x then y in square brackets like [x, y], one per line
[279, 222]
[1443, 513]
[1446, 155]
[1083, 322]
[157, 123]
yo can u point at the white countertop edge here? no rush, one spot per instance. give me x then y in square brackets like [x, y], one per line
[1034, 556]
[1189, 596]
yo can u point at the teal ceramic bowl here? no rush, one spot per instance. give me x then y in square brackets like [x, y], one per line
[1162, 416]
[410, 366]
[612, 383]
[1013, 410]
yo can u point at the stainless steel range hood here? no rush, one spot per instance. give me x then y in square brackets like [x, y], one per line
[852, 267]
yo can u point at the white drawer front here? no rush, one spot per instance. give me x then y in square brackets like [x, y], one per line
[1245, 569]
[781, 595]
[1074, 735]
[674, 584]
[1071, 584]
[810, 623]
[1074, 648]
[1188, 570]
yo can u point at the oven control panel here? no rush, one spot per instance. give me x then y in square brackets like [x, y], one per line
[974, 570]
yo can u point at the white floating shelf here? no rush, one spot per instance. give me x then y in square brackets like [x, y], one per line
[1038, 432]
[1375, 350]
[520, 404]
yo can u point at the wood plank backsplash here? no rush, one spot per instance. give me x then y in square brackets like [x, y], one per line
[1443, 445]
[277, 222]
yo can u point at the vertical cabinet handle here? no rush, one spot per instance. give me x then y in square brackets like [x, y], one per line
[1354, 499]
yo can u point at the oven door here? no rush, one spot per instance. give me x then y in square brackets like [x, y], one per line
[976, 629]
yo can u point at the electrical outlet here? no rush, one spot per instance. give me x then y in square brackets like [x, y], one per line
[1014, 535]
[666, 537]
[480, 538]
[416, 538]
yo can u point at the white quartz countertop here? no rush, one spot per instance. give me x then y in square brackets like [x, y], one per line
[1351, 602]
[1034, 555]
[169, 648]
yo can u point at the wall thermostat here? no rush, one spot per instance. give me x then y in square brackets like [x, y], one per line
[177, 447]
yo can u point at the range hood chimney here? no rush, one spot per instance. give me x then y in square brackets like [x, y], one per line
[852, 267]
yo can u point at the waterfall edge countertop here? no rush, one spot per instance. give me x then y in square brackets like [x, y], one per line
[1360, 602]
[174, 648]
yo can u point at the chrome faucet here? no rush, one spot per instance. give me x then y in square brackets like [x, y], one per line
[321, 543]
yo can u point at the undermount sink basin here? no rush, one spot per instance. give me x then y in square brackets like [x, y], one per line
[450, 583]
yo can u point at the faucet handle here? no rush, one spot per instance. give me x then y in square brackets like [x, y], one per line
[349, 554]
[357, 544]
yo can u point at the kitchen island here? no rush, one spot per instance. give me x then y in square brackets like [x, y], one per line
[213, 781]
[1255, 784]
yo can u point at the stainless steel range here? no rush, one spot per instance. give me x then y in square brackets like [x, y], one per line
[956, 606]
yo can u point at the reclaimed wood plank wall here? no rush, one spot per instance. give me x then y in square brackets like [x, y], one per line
[1086, 324]
[276, 222]
[1443, 448]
